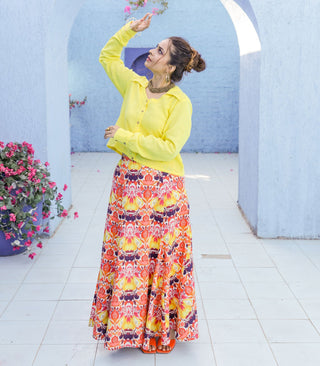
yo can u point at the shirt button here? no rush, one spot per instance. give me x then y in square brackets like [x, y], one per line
[138, 122]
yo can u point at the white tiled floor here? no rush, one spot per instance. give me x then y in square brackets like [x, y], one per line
[258, 304]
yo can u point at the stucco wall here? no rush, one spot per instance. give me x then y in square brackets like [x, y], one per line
[284, 171]
[214, 92]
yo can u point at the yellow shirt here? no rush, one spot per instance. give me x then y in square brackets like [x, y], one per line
[152, 131]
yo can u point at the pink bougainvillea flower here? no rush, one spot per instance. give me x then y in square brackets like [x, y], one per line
[20, 224]
[12, 217]
[46, 215]
[64, 213]
[3, 208]
[98, 171]
[52, 184]
[65, 187]
[38, 227]
[39, 245]
[30, 234]
[76, 215]
[7, 235]
[1, 198]
[34, 219]
[32, 255]
[43, 190]
[59, 197]
[28, 243]
[46, 229]
[155, 11]
[46, 163]
[1, 145]
[127, 9]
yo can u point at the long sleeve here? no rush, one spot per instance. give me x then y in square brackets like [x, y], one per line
[110, 59]
[167, 147]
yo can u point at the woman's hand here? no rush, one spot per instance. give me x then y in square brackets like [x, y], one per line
[141, 24]
[110, 131]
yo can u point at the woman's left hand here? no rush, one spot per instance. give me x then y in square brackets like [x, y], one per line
[110, 131]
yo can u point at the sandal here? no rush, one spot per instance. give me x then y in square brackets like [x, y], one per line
[153, 342]
[171, 345]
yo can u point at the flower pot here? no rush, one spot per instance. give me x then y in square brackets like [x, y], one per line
[6, 248]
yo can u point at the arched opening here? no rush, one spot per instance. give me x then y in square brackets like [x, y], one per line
[242, 16]
[247, 31]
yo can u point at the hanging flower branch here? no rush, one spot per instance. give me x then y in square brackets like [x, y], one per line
[73, 103]
[138, 4]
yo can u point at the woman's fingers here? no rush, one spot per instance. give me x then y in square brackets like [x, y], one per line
[110, 131]
[142, 24]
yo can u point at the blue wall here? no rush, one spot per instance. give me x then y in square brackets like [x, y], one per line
[214, 92]
[279, 105]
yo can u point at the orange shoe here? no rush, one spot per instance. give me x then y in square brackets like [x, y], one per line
[171, 345]
[153, 342]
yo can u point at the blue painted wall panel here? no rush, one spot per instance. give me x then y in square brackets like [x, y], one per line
[214, 92]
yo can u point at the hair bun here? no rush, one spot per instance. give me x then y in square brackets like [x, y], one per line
[198, 62]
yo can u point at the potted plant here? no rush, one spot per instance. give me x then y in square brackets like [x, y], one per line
[26, 195]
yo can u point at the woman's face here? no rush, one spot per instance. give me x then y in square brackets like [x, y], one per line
[159, 58]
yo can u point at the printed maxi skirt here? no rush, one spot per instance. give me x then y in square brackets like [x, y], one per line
[145, 284]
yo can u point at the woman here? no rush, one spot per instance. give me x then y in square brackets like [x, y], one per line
[145, 290]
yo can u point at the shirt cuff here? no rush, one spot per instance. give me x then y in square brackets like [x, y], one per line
[122, 135]
[131, 32]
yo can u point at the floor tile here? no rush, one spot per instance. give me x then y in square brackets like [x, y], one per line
[39, 291]
[311, 307]
[278, 309]
[79, 291]
[29, 310]
[306, 289]
[244, 354]
[83, 275]
[237, 330]
[7, 291]
[217, 274]
[297, 354]
[187, 354]
[289, 331]
[228, 309]
[259, 274]
[268, 290]
[17, 355]
[70, 355]
[222, 290]
[33, 331]
[69, 332]
[73, 310]
[47, 275]
[124, 356]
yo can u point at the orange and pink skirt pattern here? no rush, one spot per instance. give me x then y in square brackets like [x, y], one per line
[145, 284]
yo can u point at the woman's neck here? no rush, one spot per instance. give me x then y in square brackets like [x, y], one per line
[158, 81]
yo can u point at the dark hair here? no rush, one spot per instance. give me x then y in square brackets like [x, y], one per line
[184, 58]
